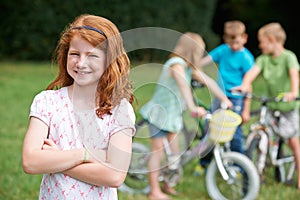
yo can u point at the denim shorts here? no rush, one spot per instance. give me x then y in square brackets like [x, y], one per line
[156, 132]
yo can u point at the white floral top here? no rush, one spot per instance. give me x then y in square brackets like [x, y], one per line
[55, 109]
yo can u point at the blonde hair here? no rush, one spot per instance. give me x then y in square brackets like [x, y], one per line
[114, 84]
[273, 29]
[190, 47]
[234, 27]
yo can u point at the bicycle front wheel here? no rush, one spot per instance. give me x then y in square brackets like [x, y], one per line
[136, 181]
[243, 180]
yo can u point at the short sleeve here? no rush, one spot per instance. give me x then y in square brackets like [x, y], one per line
[259, 62]
[217, 52]
[39, 108]
[175, 60]
[292, 61]
[249, 60]
[123, 118]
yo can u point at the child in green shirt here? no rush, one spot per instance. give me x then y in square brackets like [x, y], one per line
[280, 69]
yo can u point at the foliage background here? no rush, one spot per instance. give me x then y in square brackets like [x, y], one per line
[30, 28]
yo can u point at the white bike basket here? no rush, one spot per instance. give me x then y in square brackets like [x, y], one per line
[223, 124]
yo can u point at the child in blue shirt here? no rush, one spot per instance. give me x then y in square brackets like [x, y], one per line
[233, 60]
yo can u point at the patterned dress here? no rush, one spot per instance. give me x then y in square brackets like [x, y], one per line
[66, 129]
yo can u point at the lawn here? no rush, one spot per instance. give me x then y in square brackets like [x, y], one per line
[21, 81]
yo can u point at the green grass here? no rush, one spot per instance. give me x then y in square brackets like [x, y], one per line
[20, 82]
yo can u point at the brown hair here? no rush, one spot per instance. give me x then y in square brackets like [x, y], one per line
[114, 85]
[190, 46]
[274, 29]
[234, 27]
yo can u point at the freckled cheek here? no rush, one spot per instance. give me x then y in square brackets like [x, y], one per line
[71, 62]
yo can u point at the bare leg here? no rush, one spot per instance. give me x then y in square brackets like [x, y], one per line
[157, 153]
[173, 141]
[295, 146]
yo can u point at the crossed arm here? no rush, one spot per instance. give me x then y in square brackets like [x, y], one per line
[40, 155]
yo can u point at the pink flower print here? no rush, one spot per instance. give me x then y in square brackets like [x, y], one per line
[73, 186]
[92, 188]
[81, 193]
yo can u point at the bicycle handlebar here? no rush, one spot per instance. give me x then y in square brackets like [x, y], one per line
[262, 99]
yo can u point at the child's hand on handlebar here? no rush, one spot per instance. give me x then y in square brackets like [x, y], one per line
[289, 96]
[226, 104]
[198, 112]
[241, 88]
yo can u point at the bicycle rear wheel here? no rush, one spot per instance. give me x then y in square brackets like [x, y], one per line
[243, 180]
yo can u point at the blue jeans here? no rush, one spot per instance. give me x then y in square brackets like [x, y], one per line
[236, 144]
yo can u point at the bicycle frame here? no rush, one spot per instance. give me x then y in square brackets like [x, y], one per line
[269, 140]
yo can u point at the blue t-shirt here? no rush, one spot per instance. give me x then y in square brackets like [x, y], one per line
[232, 65]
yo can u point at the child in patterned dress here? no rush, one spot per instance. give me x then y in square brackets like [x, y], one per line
[79, 161]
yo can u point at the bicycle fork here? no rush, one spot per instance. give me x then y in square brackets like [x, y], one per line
[262, 147]
[219, 162]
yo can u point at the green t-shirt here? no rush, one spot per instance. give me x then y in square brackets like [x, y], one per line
[275, 72]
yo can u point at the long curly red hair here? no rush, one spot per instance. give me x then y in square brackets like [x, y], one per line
[114, 85]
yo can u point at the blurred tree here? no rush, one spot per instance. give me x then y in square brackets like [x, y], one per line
[31, 28]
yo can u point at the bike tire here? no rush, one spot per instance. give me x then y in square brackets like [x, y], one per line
[136, 181]
[244, 179]
[252, 151]
[253, 146]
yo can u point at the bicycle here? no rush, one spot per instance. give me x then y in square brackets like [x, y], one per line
[265, 145]
[230, 175]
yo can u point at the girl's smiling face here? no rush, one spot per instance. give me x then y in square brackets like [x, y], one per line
[85, 63]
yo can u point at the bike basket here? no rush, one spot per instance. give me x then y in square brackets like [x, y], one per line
[223, 125]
